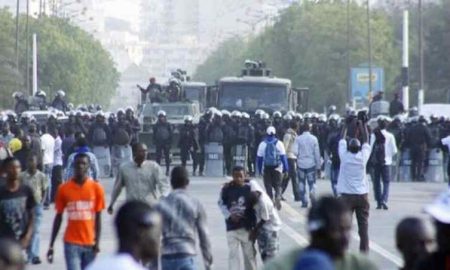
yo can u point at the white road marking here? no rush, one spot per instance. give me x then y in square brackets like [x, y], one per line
[295, 215]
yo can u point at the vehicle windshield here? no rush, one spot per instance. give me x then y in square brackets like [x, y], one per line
[247, 96]
[171, 111]
[194, 93]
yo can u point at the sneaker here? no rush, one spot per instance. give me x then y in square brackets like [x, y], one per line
[36, 260]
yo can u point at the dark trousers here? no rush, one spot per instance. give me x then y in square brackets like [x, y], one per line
[417, 162]
[292, 176]
[334, 174]
[228, 158]
[251, 153]
[57, 176]
[381, 176]
[163, 150]
[272, 182]
[201, 158]
[359, 204]
[185, 154]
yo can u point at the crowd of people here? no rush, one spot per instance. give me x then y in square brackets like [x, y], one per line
[62, 163]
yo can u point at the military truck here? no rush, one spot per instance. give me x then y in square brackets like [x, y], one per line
[256, 88]
[175, 113]
[195, 91]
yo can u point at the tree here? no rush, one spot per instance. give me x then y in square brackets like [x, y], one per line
[69, 59]
[308, 44]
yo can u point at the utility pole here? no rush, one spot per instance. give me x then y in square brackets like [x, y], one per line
[369, 46]
[405, 64]
[27, 38]
[349, 90]
[421, 93]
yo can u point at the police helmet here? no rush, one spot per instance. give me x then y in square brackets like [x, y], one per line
[161, 113]
[287, 117]
[60, 93]
[129, 108]
[322, 117]
[314, 115]
[120, 111]
[334, 117]
[70, 106]
[41, 93]
[99, 107]
[17, 94]
[188, 118]
[332, 108]
[237, 114]
[217, 113]
[225, 113]
[245, 115]
[307, 115]
[265, 116]
[258, 112]
[277, 114]
[299, 116]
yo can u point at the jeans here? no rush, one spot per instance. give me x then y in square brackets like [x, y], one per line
[334, 174]
[78, 257]
[381, 173]
[33, 249]
[272, 182]
[268, 244]
[292, 176]
[48, 173]
[307, 176]
[238, 240]
[181, 263]
[359, 203]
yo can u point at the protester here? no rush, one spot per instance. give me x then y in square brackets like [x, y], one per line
[83, 199]
[413, 240]
[384, 148]
[184, 220]
[57, 170]
[440, 212]
[48, 153]
[24, 153]
[307, 151]
[81, 146]
[272, 163]
[138, 231]
[329, 225]
[233, 201]
[38, 182]
[16, 205]
[268, 223]
[352, 183]
[289, 144]
[143, 179]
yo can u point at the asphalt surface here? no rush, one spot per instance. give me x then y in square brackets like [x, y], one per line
[406, 199]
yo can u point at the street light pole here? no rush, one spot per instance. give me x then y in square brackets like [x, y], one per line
[17, 34]
[421, 94]
[349, 91]
[369, 46]
[27, 38]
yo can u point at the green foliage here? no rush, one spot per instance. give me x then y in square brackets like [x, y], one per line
[308, 44]
[69, 59]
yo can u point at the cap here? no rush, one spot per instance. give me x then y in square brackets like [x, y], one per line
[440, 208]
[271, 130]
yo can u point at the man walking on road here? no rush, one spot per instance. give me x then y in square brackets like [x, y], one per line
[184, 220]
[16, 206]
[233, 202]
[384, 148]
[271, 157]
[143, 179]
[38, 182]
[138, 229]
[307, 150]
[83, 199]
[352, 182]
[289, 144]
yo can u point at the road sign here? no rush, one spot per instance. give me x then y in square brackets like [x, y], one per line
[360, 82]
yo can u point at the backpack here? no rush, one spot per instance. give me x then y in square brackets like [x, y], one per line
[121, 136]
[99, 136]
[378, 154]
[271, 155]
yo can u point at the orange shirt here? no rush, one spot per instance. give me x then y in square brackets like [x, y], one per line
[81, 204]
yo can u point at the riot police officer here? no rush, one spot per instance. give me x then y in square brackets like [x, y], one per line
[188, 143]
[162, 137]
[418, 139]
[134, 122]
[58, 102]
[21, 103]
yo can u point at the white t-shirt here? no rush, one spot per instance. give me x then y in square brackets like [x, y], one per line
[352, 173]
[390, 146]
[446, 141]
[48, 148]
[58, 154]
[115, 262]
[264, 209]
[281, 151]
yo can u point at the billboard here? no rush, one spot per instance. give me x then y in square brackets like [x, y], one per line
[360, 82]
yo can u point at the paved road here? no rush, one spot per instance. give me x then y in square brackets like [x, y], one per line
[406, 199]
